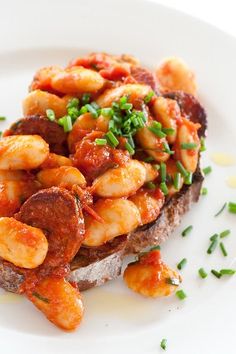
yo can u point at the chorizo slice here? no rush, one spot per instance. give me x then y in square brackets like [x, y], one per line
[144, 76]
[190, 108]
[59, 215]
[50, 131]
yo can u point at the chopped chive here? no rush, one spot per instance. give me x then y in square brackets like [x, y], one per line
[216, 274]
[203, 274]
[67, 124]
[232, 207]
[186, 231]
[164, 188]
[224, 233]
[188, 146]
[163, 343]
[126, 106]
[92, 110]
[156, 166]
[188, 180]
[149, 96]
[173, 281]
[0, 134]
[204, 191]
[150, 185]
[40, 297]
[86, 98]
[214, 237]
[95, 105]
[163, 171]
[2, 118]
[227, 271]
[182, 264]
[203, 146]
[169, 131]
[155, 248]
[212, 247]
[107, 112]
[167, 148]
[157, 132]
[101, 141]
[181, 294]
[181, 169]
[50, 114]
[156, 124]
[223, 250]
[207, 170]
[148, 159]
[83, 110]
[123, 99]
[129, 148]
[112, 139]
[177, 181]
[73, 102]
[221, 209]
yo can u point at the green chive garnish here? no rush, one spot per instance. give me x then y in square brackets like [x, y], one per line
[207, 170]
[163, 171]
[149, 96]
[112, 139]
[67, 125]
[164, 188]
[186, 231]
[222, 247]
[2, 118]
[221, 209]
[86, 98]
[214, 237]
[129, 148]
[212, 246]
[202, 273]
[227, 271]
[173, 281]
[188, 146]
[126, 106]
[188, 180]
[181, 169]
[224, 233]
[181, 294]
[74, 102]
[157, 132]
[177, 180]
[204, 191]
[182, 264]
[50, 114]
[100, 141]
[92, 110]
[167, 148]
[148, 159]
[203, 146]
[107, 112]
[150, 185]
[232, 207]
[169, 131]
[155, 248]
[216, 274]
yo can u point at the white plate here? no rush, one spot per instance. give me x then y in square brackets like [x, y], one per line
[34, 34]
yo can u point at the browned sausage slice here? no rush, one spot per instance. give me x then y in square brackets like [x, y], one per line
[59, 215]
[144, 76]
[190, 108]
[50, 131]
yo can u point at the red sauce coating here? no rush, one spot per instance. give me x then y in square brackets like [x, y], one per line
[92, 159]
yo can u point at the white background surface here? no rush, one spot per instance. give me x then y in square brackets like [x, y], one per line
[220, 13]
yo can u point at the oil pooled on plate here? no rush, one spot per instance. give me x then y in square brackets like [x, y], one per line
[223, 159]
[231, 181]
